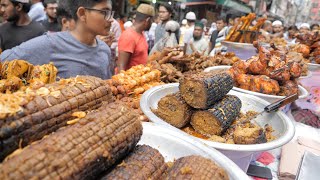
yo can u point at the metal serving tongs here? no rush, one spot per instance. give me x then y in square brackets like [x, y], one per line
[272, 107]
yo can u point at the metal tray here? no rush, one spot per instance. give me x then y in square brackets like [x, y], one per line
[284, 128]
[270, 98]
[243, 50]
[173, 145]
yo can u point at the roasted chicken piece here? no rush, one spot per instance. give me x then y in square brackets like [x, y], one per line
[11, 84]
[240, 67]
[262, 84]
[260, 63]
[289, 88]
[15, 68]
[46, 73]
[301, 48]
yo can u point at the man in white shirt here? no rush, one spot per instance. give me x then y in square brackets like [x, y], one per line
[191, 19]
[37, 12]
[198, 43]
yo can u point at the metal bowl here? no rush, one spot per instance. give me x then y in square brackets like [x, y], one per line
[242, 50]
[270, 98]
[172, 145]
[282, 125]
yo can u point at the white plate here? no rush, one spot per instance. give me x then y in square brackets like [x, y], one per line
[272, 98]
[172, 145]
[313, 66]
[217, 68]
[284, 129]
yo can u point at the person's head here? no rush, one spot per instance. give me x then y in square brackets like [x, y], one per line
[292, 30]
[12, 10]
[165, 12]
[144, 16]
[304, 28]
[191, 18]
[50, 6]
[65, 19]
[267, 26]
[315, 27]
[220, 23]
[94, 16]
[198, 30]
[123, 18]
[184, 22]
[230, 19]
[172, 26]
[277, 26]
[204, 22]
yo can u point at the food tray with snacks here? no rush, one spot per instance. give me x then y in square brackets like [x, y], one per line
[173, 145]
[280, 123]
[303, 93]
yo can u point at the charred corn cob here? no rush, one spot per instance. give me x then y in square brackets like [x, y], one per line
[218, 118]
[32, 115]
[195, 167]
[202, 90]
[174, 110]
[80, 151]
[144, 162]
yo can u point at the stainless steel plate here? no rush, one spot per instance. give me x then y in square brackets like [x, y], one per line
[284, 129]
[173, 145]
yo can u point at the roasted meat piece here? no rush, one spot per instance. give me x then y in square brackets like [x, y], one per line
[174, 110]
[80, 151]
[249, 135]
[288, 88]
[195, 167]
[143, 163]
[218, 118]
[202, 90]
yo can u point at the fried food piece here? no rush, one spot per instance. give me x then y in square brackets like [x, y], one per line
[289, 88]
[174, 110]
[204, 89]
[249, 135]
[143, 163]
[195, 167]
[218, 118]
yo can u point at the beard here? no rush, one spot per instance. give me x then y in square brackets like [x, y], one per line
[196, 37]
[14, 18]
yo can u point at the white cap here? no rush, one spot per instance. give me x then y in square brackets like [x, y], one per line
[191, 16]
[127, 24]
[305, 25]
[277, 22]
[172, 26]
[184, 22]
[22, 1]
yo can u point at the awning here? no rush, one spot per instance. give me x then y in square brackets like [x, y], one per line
[234, 4]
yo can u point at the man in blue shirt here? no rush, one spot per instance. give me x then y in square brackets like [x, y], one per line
[77, 52]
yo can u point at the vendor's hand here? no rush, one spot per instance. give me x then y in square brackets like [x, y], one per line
[109, 39]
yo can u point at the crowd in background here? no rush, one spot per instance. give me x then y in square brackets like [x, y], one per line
[93, 39]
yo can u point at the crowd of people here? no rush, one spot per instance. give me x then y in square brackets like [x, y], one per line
[86, 37]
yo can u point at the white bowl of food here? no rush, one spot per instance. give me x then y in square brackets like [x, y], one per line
[281, 124]
[173, 145]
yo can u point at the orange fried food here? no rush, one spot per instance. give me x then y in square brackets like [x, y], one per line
[289, 88]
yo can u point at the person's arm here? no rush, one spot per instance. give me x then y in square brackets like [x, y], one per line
[213, 40]
[123, 60]
[36, 51]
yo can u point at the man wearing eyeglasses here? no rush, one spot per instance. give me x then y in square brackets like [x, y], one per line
[133, 47]
[51, 23]
[76, 52]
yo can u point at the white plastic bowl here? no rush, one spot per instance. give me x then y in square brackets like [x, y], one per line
[172, 145]
[270, 98]
[282, 125]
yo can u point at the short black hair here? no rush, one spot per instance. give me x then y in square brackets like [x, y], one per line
[46, 2]
[141, 17]
[62, 13]
[293, 28]
[313, 25]
[73, 5]
[167, 6]
[25, 6]
[221, 18]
